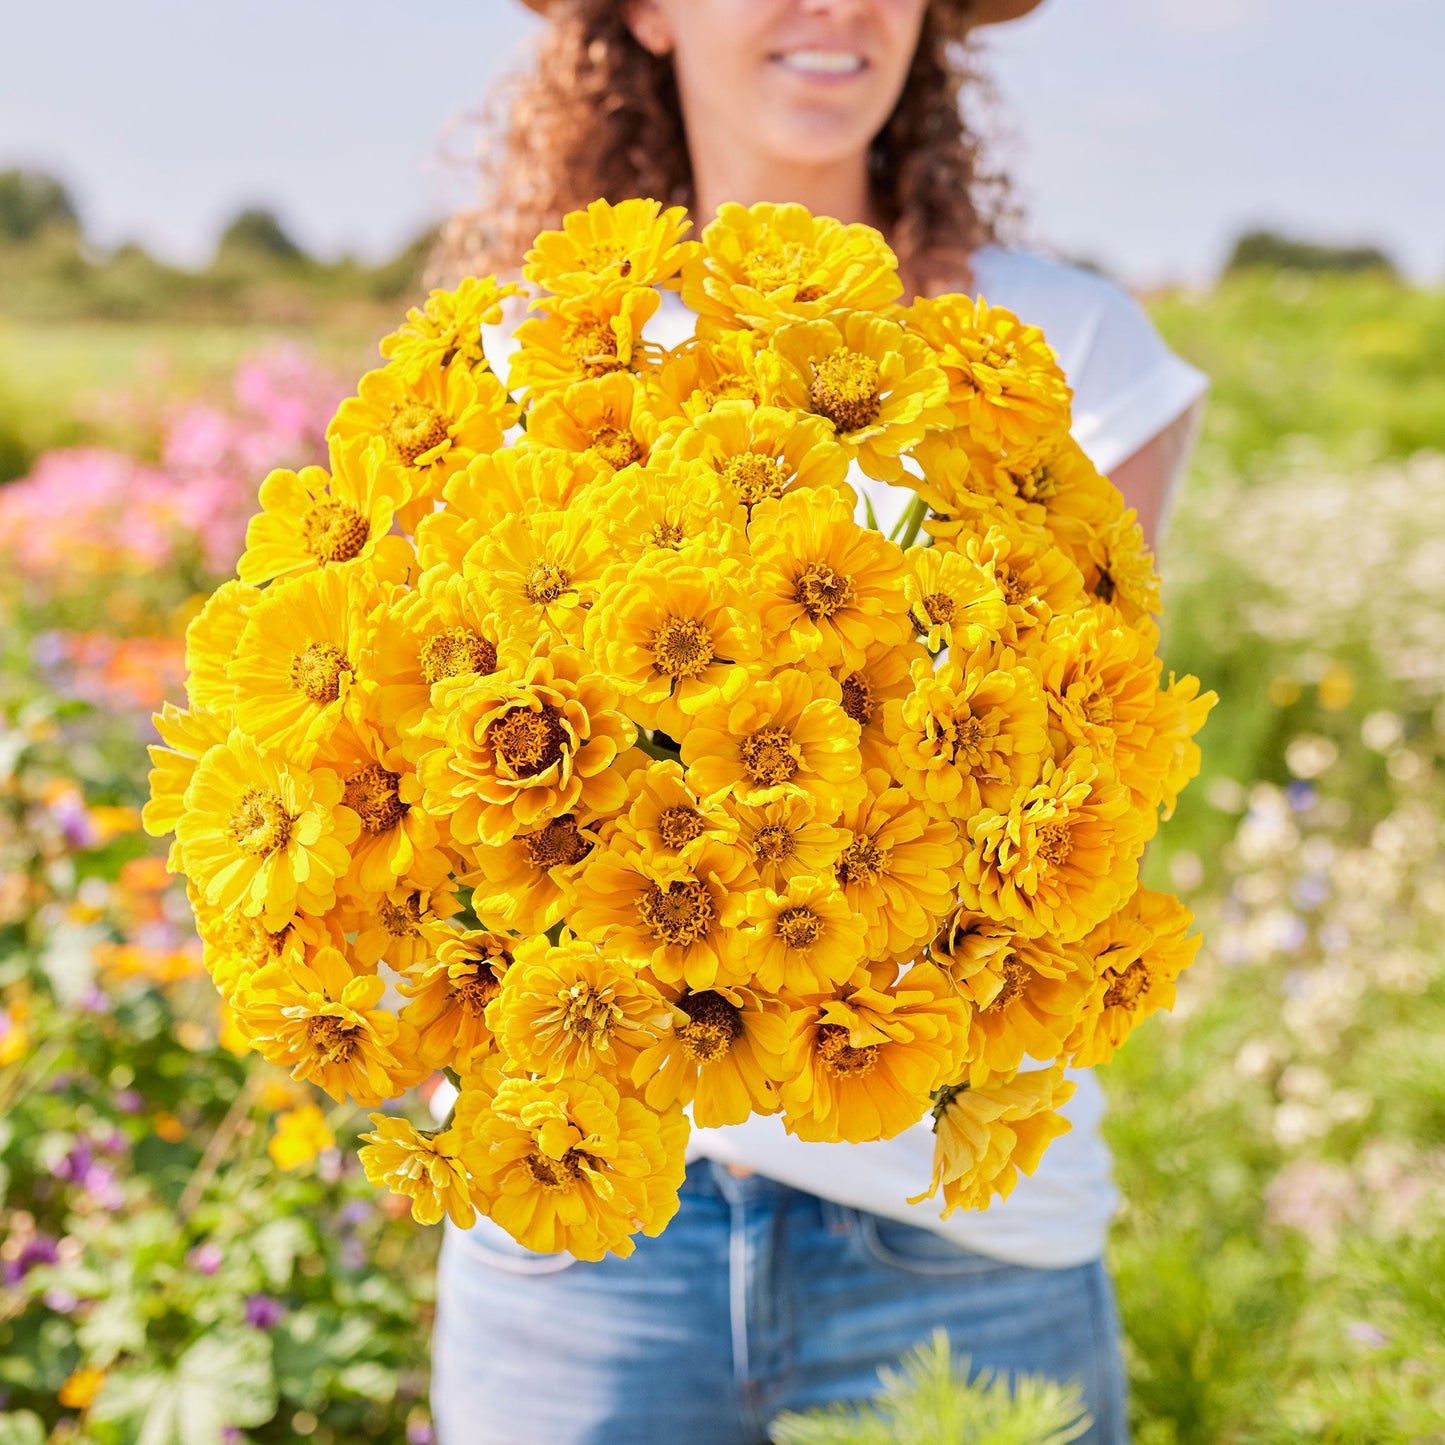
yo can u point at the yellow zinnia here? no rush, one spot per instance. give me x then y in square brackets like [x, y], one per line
[447, 329]
[211, 640]
[606, 419]
[449, 995]
[764, 265]
[632, 243]
[422, 1167]
[803, 938]
[952, 601]
[697, 375]
[782, 840]
[677, 632]
[315, 518]
[301, 1134]
[666, 821]
[403, 926]
[827, 589]
[877, 384]
[529, 883]
[263, 836]
[502, 754]
[185, 738]
[581, 338]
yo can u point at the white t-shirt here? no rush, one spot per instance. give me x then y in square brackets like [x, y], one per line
[1128, 386]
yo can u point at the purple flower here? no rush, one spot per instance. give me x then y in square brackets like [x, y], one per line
[230, 1435]
[62, 1301]
[40, 1250]
[207, 1258]
[263, 1312]
[420, 1432]
[74, 1165]
[129, 1101]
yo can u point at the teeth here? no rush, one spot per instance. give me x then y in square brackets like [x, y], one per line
[823, 62]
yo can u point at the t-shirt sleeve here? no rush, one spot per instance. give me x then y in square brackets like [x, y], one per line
[1128, 385]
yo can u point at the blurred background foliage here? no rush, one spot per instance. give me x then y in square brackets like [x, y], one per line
[188, 1252]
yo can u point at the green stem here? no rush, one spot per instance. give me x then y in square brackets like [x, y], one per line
[911, 521]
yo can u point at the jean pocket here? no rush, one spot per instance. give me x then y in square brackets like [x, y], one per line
[921, 1251]
[489, 1243]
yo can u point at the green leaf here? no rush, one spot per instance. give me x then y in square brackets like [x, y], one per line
[22, 1428]
[277, 1246]
[114, 1327]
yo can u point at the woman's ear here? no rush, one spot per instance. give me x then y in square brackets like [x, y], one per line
[650, 27]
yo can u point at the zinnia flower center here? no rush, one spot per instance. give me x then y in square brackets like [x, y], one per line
[970, 739]
[1036, 486]
[821, 591]
[840, 1056]
[756, 476]
[1125, 990]
[333, 1040]
[372, 795]
[414, 430]
[557, 845]
[1015, 976]
[556, 1176]
[714, 1025]
[682, 647]
[454, 651]
[799, 927]
[1100, 709]
[667, 534]
[773, 842]
[588, 1014]
[1104, 588]
[617, 448]
[1016, 591]
[472, 995]
[777, 264]
[678, 825]
[317, 672]
[334, 532]
[677, 915]
[260, 825]
[858, 699]
[528, 740]
[592, 344]
[940, 607]
[401, 920]
[546, 583]
[1055, 840]
[769, 756]
[845, 389]
[862, 862]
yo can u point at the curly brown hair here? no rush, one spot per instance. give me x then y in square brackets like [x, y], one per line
[599, 116]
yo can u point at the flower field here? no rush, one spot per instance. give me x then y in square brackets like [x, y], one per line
[188, 1249]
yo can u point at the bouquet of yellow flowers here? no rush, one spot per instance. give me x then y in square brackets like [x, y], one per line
[578, 715]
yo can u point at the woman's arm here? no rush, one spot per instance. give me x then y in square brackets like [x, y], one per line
[1149, 477]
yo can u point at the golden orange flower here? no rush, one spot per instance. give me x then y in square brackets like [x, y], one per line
[422, 1167]
[782, 840]
[450, 993]
[667, 822]
[530, 883]
[803, 939]
[607, 419]
[581, 338]
[632, 243]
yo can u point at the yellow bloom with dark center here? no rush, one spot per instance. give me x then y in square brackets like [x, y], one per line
[607, 419]
[765, 265]
[582, 338]
[760, 452]
[885, 675]
[1100, 679]
[878, 385]
[322, 1021]
[667, 822]
[674, 922]
[398, 843]
[863, 1063]
[984, 1137]
[571, 1165]
[1026, 1003]
[315, 518]
[262, 835]
[297, 659]
[432, 421]
[722, 1054]
[970, 733]
[697, 375]
[1062, 857]
[952, 601]
[575, 1009]
[1120, 569]
[1181, 711]
[185, 738]
[421, 636]
[632, 243]
[234, 947]
[504, 753]
[667, 506]
[803, 938]
[447, 330]
[896, 868]
[827, 589]
[529, 883]
[403, 926]
[1004, 381]
[782, 840]
[541, 571]
[678, 633]
[421, 1167]
[211, 640]
[450, 992]
[969, 943]
[1138, 953]
[781, 737]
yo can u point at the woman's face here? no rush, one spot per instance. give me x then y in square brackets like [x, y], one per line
[807, 82]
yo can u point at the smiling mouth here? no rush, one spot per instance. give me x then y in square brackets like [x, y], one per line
[830, 64]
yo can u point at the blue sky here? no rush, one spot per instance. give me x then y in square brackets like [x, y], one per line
[1144, 133]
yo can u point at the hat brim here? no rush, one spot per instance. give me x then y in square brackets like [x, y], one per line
[981, 12]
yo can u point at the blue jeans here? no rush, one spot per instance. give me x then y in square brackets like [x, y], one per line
[757, 1298]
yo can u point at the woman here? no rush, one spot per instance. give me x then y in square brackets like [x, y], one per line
[792, 1271]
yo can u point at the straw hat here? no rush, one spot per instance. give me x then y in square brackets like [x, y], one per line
[980, 12]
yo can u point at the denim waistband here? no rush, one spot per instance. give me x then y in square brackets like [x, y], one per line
[708, 1176]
